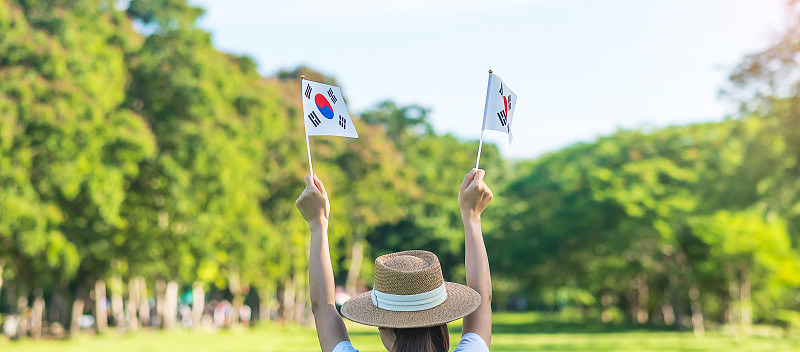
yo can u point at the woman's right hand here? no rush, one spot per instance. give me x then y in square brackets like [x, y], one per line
[474, 195]
[313, 202]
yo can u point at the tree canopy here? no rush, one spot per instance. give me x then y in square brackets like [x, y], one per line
[131, 147]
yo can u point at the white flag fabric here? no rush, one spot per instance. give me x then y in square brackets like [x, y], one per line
[500, 105]
[324, 111]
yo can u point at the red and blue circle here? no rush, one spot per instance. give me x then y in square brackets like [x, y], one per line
[324, 106]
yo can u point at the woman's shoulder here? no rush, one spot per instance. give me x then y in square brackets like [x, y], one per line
[471, 342]
[344, 346]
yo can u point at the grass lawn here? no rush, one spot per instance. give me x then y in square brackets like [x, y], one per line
[512, 332]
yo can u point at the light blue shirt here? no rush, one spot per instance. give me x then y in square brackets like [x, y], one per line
[470, 342]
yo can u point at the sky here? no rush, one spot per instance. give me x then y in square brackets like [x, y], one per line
[581, 68]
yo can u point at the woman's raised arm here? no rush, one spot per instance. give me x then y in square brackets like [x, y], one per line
[313, 204]
[473, 197]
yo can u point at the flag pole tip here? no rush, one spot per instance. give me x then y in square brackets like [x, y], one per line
[302, 76]
[490, 71]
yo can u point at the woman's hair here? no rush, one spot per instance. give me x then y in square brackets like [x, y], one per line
[430, 339]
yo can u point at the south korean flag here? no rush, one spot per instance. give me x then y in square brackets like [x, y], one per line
[500, 105]
[324, 111]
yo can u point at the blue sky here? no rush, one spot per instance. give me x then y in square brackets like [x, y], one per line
[581, 68]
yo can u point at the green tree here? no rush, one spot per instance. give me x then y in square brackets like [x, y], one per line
[199, 208]
[766, 84]
[755, 256]
[69, 150]
[437, 165]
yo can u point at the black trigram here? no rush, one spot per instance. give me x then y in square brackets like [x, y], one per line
[308, 92]
[502, 116]
[501, 88]
[314, 119]
[342, 122]
[330, 94]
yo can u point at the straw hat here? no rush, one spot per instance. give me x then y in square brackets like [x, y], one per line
[410, 292]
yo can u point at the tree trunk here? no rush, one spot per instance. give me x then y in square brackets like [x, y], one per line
[22, 309]
[236, 309]
[198, 304]
[100, 306]
[642, 295]
[2, 266]
[38, 314]
[300, 299]
[77, 312]
[681, 317]
[286, 311]
[117, 309]
[668, 312]
[694, 303]
[606, 300]
[144, 306]
[672, 304]
[133, 303]
[630, 297]
[725, 309]
[236, 290]
[357, 256]
[264, 305]
[58, 314]
[698, 324]
[746, 301]
[161, 304]
[171, 307]
[733, 315]
[637, 298]
[11, 298]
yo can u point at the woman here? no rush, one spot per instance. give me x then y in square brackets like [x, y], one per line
[410, 303]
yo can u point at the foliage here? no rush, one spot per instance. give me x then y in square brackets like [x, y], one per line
[69, 149]
[148, 152]
[652, 204]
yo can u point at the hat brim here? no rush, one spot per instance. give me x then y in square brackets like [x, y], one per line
[461, 300]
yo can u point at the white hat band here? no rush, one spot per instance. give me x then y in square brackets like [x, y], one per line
[409, 303]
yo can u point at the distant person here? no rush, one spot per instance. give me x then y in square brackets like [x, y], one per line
[245, 313]
[410, 303]
[11, 326]
[340, 296]
[185, 314]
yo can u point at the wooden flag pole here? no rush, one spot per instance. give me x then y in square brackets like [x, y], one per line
[308, 148]
[308, 145]
[480, 144]
[483, 126]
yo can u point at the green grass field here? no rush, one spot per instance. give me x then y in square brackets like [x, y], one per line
[512, 332]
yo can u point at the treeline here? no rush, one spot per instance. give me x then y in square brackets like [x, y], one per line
[691, 226]
[678, 226]
[138, 162]
[146, 165]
